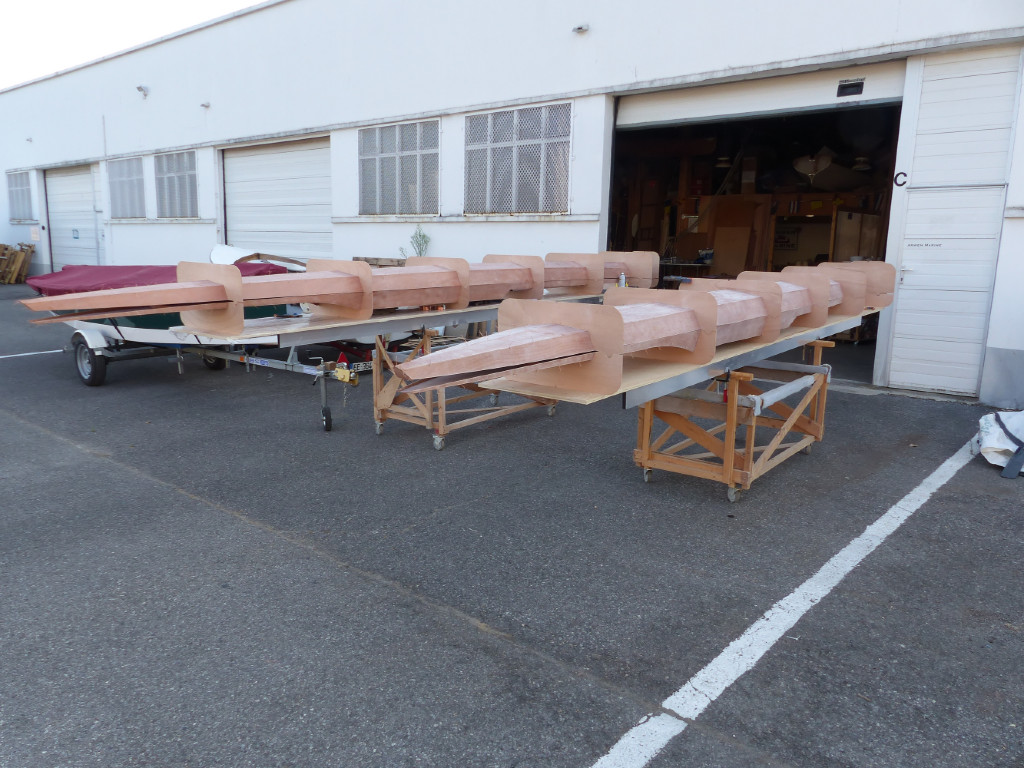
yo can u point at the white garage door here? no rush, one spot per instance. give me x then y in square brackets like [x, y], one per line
[947, 267]
[956, 141]
[72, 216]
[278, 198]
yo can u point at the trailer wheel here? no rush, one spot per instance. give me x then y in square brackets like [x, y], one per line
[215, 363]
[92, 368]
[325, 412]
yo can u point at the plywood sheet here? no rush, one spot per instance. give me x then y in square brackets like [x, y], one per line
[349, 310]
[226, 321]
[731, 246]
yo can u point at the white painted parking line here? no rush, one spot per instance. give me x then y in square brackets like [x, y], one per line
[646, 739]
[29, 354]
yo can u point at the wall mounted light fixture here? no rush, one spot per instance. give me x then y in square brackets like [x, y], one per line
[143, 90]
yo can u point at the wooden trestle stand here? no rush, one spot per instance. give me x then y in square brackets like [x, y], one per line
[430, 408]
[727, 457]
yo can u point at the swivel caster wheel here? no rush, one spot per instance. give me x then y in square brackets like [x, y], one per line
[494, 399]
[378, 427]
[734, 494]
[551, 410]
[647, 474]
[438, 442]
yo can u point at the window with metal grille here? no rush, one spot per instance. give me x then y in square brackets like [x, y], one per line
[19, 195]
[176, 196]
[398, 168]
[127, 188]
[517, 161]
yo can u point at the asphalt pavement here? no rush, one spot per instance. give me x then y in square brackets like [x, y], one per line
[194, 573]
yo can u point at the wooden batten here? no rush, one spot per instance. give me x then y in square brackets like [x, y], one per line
[852, 288]
[881, 280]
[421, 286]
[574, 274]
[134, 297]
[641, 267]
[519, 346]
[323, 286]
[228, 320]
[603, 323]
[602, 374]
[647, 326]
[360, 306]
[817, 285]
[496, 281]
[701, 303]
[564, 274]
[794, 300]
[461, 269]
[535, 264]
[440, 382]
[742, 315]
[696, 348]
[100, 314]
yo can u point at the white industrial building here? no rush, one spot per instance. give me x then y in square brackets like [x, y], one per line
[768, 134]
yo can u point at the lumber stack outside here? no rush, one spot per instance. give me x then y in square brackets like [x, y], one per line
[14, 262]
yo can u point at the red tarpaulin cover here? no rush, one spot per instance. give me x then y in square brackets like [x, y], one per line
[79, 278]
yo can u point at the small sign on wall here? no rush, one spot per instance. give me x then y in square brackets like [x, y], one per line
[787, 237]
[34, 234]
[74, 234]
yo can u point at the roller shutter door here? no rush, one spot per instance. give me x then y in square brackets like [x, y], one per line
[278, 198]
[882, 83]
[71, 214]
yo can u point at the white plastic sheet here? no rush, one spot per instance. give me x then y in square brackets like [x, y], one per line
[993, 443]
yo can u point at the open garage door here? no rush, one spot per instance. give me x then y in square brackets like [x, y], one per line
[278, 198]
[761, 175]
[75, 236]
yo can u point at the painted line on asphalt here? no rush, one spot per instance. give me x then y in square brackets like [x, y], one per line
[29, 354]
[647, 738]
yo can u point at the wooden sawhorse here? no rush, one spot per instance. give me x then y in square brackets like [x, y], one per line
[719, 452]
[430, 408]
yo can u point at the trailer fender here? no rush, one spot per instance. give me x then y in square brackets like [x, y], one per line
[92, 338]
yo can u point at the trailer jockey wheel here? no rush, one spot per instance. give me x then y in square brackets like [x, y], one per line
[325, 413]
[92, 368]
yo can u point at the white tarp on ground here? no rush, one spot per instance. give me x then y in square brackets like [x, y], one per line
[992, 440]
